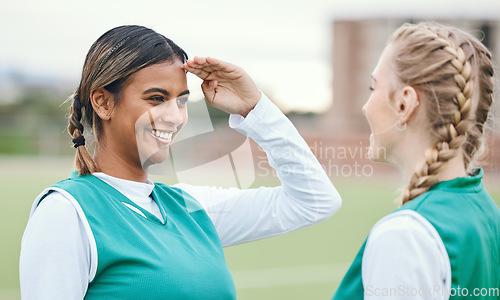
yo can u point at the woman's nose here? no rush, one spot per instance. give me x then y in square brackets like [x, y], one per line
[170, 112]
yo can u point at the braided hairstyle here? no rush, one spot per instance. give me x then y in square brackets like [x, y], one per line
[111, 60]
[452, 73]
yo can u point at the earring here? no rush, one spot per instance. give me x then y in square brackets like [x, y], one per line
[416, 104]
[99, 112]
[401, 127]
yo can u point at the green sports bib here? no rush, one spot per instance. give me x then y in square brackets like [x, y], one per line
[468, 222]
[141, 257]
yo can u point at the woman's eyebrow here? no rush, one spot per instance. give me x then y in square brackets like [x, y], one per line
[186, 92]
[164, 92]
[157, 90]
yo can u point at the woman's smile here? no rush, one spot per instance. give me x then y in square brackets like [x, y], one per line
[164, 137]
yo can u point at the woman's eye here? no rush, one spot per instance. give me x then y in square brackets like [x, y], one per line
[182, 100]
[371, 89]
[157, 98]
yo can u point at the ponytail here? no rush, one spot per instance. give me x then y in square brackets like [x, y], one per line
[84, 162]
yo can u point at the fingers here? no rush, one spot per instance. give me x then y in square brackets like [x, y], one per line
[201, 62]
[202, 68]
[208, 88]
[220, 65]
[202, 73]
[210, 64]
[198, 63]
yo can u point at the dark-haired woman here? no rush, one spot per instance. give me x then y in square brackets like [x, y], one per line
[109, 232]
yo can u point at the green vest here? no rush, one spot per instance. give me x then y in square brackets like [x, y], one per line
[468, 222]
[142, 258]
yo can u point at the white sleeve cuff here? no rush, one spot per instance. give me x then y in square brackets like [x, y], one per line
[263, 108]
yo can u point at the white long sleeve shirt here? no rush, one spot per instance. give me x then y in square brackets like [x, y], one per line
[59, 255]
[405, 258]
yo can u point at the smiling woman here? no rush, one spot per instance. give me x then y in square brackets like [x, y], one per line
[110, 64]
[149, 117]
[109, 232]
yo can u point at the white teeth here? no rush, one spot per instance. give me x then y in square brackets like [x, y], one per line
[162, 134]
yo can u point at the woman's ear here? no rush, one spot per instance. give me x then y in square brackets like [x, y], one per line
[103, 103]
[407, 103]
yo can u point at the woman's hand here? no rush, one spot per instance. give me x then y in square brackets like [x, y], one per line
[226, 86]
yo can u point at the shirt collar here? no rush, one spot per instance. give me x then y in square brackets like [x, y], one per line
[473, 181]
[131, 189]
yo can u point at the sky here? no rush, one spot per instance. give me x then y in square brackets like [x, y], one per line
[284, 45]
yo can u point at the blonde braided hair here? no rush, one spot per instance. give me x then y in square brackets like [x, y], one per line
[452, 73]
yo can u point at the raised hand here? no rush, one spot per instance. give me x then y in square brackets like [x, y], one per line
[226, 86]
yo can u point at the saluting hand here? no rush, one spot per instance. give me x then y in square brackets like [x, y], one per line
[225, 86]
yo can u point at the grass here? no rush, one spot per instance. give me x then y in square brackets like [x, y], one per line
[305, 264]
[295, 262]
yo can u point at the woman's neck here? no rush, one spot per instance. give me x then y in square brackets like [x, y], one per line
[111, 163]
[454, 168]
[415, 155]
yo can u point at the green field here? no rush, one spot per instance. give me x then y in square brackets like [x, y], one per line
[306, 264]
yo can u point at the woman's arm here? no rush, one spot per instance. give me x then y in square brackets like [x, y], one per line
[405, 258]
[306, 194]
[55, 252]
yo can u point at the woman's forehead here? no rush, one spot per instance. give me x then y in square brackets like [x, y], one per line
[168, 74]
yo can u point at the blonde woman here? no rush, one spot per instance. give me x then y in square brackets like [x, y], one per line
[431, 96]
[108, 232]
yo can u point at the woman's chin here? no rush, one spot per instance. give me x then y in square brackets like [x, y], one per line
[156, 158]
[373, 157]
[376, 153]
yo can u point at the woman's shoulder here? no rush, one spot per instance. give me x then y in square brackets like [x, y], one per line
[63, 194]
[403, 241]
[407, 231]
[404, 221]
[72, 182]
[54, 200]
